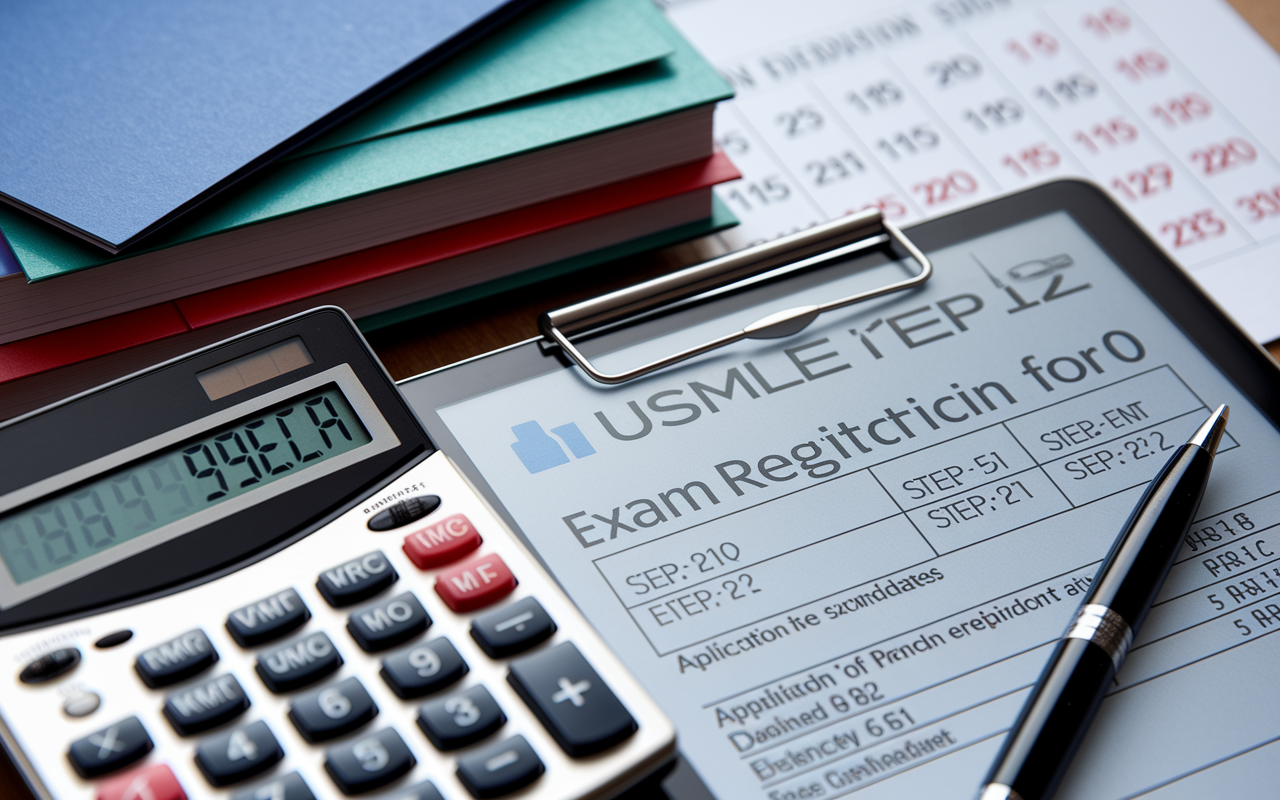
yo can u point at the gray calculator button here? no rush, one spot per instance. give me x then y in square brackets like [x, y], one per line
[404, 512]
[50, 665]
[513, 629]
[286, 787]
[461, 719]
[206, 705]
[388, 623]
[81, 704]
[114, 639]
[369, 761]
[110, 749]
[177, 659]
[332, 711]
[500, 768]
[574, 704]
[422, 791]
[238, 754]
[424, 668]
[356, 580]
[267, 619]
[298, 663]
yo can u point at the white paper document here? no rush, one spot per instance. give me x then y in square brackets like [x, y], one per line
[839, 560]
[923, 107]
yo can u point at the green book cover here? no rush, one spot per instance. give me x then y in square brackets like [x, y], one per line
[677, 82]
[556, 44]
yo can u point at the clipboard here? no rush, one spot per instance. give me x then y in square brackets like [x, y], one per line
[837, 556]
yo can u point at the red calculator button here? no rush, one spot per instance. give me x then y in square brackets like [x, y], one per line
[148, 783]
[475, 583]
[447, 540]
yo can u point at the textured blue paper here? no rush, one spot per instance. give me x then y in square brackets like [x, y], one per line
[117, 114]
[8, 261]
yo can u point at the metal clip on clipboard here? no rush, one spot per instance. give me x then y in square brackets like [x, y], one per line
[830, 241]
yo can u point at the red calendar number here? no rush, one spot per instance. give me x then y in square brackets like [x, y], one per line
[1037, 44]
[1180, 110]
[947, 188]
[1107, 23]
[1145, 182]
[1195, 228]
[1143, 64]
[889, 205]
[1217, 158]
[1112, 133]
[1262, 204]
[1036, 158]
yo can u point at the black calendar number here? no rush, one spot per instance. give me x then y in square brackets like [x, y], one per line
[805, 119]
[955, 70]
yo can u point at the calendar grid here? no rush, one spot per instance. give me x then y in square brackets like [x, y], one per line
[922, 111]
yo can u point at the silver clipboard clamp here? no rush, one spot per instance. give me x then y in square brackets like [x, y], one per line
[830, 241]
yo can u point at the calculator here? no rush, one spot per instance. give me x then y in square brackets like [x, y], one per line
[248, 573]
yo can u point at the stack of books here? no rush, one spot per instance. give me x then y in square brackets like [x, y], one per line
[577, 133]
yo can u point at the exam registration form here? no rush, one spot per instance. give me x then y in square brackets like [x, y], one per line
[839, 560]
[924, 106]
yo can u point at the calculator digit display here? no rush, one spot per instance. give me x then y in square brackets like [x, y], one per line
[182, 480]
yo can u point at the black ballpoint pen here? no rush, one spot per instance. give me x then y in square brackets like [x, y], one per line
[1053, 722]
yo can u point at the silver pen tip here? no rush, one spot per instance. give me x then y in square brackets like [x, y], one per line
[1209, 435]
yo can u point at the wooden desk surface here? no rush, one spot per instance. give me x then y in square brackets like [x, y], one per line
[415, 347]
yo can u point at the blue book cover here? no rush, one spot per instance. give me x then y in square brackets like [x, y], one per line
[8, 261]
[119, 116]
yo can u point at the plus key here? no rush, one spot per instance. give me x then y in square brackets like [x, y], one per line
[575, 705]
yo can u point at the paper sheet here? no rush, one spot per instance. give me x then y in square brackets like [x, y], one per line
[922, 108]
[839, 560]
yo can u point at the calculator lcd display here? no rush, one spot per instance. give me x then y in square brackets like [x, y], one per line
[182, 480]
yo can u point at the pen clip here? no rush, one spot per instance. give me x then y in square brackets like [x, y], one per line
[828, 242]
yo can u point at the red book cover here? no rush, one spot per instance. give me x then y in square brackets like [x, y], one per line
[113, 334]
[269, 291]
[89, 340]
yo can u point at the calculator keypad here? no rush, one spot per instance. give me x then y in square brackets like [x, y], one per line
[424, 668]
[460, 719]
[177, 659]
[330, 712]
[267, 619]
[501, 768]
[206, 705]
[513, 628]
[442, 542]
[357, 579]
[476, 583]
[111, 748]
[574, 703]
[388, 623]
[50, 665]
[156, 782]
[403, 512]
[238, 754]
[369, 762]
[301, 662]
[431, 691]
[286, 787]
[422, 791]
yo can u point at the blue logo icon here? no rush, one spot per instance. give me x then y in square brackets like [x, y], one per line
[538, 451]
